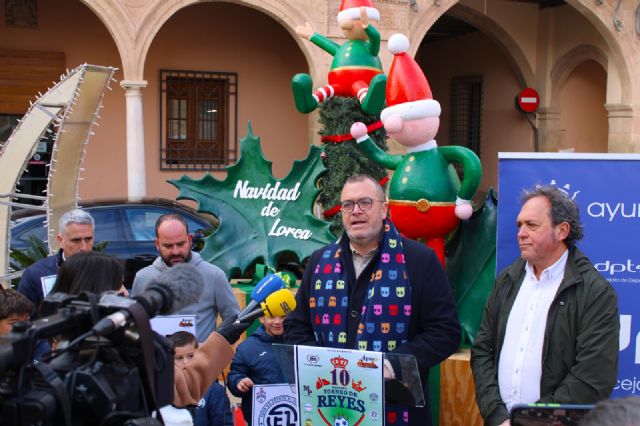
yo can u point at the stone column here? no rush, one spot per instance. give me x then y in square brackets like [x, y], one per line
[550, 136]
[623, 128]
[136, 171]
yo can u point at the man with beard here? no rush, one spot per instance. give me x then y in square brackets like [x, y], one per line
[173, 242]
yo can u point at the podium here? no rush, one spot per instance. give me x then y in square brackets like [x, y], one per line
[360, 376]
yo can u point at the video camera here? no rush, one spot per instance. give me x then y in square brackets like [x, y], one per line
[111, 375]
[108, 367]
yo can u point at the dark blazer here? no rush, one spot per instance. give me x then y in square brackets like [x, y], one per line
[434, 329]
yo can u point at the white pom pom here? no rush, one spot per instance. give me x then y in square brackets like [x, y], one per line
[398, 43]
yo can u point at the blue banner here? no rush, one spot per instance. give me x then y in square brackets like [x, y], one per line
[606, 187]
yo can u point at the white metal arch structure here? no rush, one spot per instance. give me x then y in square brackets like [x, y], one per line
[72, 105]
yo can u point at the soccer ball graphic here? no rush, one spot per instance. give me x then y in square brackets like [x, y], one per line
[340, 421]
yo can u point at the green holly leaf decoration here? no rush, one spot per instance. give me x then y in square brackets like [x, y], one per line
[260, 217]
[471, 265]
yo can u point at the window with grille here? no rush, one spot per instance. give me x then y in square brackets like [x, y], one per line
[466, 112]
[198, 116]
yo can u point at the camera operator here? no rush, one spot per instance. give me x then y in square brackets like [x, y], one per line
[97, 272]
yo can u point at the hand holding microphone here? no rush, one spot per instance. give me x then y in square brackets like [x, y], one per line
[277, 304]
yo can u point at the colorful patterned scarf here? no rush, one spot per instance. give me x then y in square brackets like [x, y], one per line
[386, 310]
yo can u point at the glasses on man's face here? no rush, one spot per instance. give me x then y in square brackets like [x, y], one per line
[364, 204]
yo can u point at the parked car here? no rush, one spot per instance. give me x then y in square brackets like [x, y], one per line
[128, 227]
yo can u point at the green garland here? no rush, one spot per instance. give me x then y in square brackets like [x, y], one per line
[345, 159]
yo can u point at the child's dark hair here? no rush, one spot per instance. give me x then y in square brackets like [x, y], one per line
[182, 338]
[12, 302]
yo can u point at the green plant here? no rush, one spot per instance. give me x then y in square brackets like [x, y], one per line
[22, 259]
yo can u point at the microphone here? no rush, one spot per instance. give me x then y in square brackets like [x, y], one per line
[278, 304]
[178, 287]
[264, 288]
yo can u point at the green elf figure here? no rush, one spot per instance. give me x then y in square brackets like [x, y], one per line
[356, 69]
[426, 198]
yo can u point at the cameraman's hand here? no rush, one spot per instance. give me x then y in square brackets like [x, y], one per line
[232, 331]
[245, 385]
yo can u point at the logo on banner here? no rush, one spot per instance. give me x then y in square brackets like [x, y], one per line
[612, 211]
[261, 396]
[625, 382]
[566, 188]
[613, 268]
[368, 362]
[281, 411]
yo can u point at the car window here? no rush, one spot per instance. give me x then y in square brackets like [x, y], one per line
[196, 228]
[142, 223]
[107, 224]
[36, 228]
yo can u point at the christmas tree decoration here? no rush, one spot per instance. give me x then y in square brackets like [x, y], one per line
[343, 159]
[261, 218]
[426, 198]
[356, 69]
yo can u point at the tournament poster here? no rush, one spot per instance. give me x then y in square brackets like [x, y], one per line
[339, 387]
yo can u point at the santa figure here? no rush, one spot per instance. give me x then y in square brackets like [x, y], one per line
[426, 198]
[356, 69]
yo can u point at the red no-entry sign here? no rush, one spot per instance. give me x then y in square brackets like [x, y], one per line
[528, 100]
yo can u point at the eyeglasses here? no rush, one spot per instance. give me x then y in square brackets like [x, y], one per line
[365, 204]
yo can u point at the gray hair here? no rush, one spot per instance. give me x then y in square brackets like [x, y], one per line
[563, 209]
[78, 216]
[364, 177]
[614, 412]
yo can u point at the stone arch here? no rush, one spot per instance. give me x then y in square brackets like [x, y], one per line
[567, 63]
[492, 29]
[134, 36]
[620, 44]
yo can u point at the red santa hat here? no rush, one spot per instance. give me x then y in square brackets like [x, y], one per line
[408, 91]
[351, 9]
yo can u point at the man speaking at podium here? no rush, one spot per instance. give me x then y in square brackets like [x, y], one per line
[374, 290]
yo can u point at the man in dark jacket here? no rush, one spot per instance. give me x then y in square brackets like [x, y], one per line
[255, 363]
[374, 290]
[75, 234]
[550, 328]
